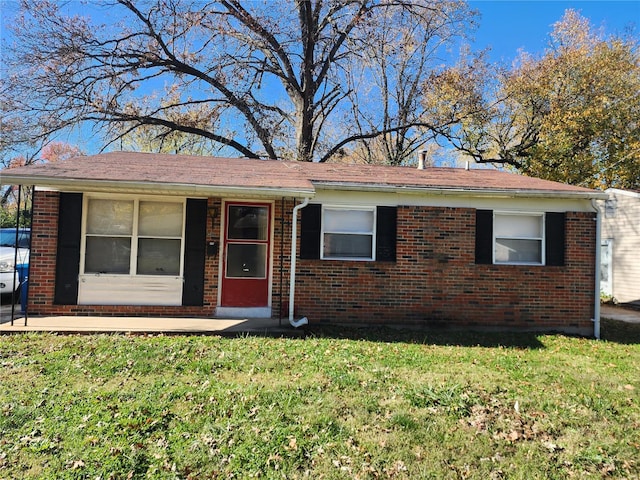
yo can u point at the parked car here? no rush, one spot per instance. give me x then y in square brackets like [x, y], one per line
[9, 276]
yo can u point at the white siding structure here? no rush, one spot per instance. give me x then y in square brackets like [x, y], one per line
[621, 246]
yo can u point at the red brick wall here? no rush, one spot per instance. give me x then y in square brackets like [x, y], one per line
[43, 264]
[435, 280]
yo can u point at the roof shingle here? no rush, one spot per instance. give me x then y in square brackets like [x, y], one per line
[171, 170]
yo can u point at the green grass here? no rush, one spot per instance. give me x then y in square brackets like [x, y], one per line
[340, 404]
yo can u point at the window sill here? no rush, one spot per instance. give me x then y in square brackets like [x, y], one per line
[526, 264]
[349, 259]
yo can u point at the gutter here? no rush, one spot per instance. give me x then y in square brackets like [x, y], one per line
[212, 190]
[120, 186]
[475, 192]
[596, 306]
[292, 274]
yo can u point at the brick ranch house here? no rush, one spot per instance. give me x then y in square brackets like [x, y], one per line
[134, 234]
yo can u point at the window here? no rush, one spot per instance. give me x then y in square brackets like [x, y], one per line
[348, 233]
[132, 236]
[159, 238]
[515, 234]
[312, 237]
[518, 238]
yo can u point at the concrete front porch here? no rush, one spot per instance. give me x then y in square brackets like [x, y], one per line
[151, 325]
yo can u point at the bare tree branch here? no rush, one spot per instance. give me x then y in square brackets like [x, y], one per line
[264, 78]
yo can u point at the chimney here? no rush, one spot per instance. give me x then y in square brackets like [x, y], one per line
[422, 159]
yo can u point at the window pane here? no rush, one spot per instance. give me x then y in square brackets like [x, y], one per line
[247, 223]
[107, 255]
[159, 219]
[347, 246]
[246, 260]
[345, 221]
[110, 217]
[158, 256]
[518, 226]
[605, 261]
[518, 251]
[24, 240]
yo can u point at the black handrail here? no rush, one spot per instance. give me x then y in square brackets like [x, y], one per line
[15, 258]
[28, 272]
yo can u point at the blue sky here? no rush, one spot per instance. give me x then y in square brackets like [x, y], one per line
[508, 25]
[505, 25]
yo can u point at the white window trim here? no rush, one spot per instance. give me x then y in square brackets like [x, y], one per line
[372, 232]
[134, 234]
[131, 288]
[542, 238]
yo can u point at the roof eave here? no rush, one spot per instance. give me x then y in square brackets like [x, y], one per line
[460, 191]
[120, 186]
[628, 193]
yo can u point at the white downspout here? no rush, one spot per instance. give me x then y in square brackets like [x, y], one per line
[292, 274]
[596, 308]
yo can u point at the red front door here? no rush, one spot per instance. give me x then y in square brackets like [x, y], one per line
[245, 275]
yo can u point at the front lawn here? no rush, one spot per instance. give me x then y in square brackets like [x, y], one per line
[394, 405]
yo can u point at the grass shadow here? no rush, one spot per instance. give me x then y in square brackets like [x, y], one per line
[430, 336]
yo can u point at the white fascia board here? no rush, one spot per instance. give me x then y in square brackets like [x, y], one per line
[117, 186]
[618, 191]
[468, 192]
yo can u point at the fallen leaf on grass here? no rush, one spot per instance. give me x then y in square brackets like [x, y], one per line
[513, 435]
[293, 444]
[552, 447]
[607, 469]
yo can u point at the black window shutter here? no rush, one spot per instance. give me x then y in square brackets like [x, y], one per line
[554, 238]
[310, 222]
[484, 236]
[68, 251]
[194, 252]
[386, 234]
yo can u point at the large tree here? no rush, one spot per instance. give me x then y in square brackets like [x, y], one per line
[160, 139]
[399, 53]
[291, 79]
[571, 115]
